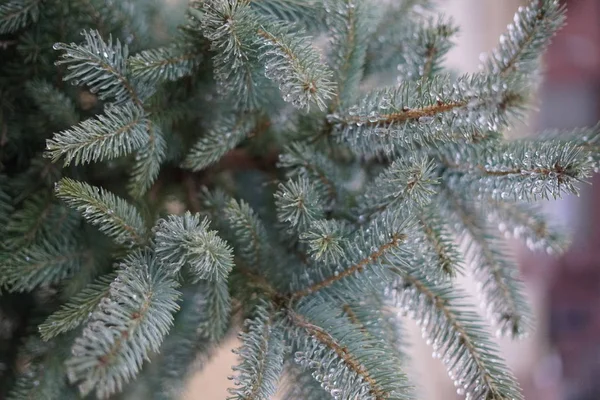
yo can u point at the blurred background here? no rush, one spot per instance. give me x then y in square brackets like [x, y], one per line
[561, 359]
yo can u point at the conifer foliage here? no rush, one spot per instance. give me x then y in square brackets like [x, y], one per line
[308, 167]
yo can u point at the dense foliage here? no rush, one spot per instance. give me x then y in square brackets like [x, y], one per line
[308, 167]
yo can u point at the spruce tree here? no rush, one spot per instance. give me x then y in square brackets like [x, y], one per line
[302, 172]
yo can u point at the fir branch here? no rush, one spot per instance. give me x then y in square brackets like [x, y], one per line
[184, 350]
[347, 21]
[522, 170]
[6, 206]
[42, 376]
[111, 214]
[527, 223]
[426, 49]
[306, 161]
[404, 182]
[586, 139]
[125, 327]
[378, 321]
[419, 114]
[78, 309]
[249, 234]
[54, 104]
[101, 66]
[382, 240]
[39, 219]
[164, 64]
[261, 357]
[211, 204]
[42, 174]
[120, 131]
[216, 317]
[501, 287]
[373, 188]
[347, 363]
[530, 34]
[298, 204]
[295, 66]
[17, 14]
[226, 134]
[326, 240]
[44, 263]
[441, 250]
[457, 336]
[307, 12]
[147, 163]
[230, 27]
[394, 24]
[186, 241]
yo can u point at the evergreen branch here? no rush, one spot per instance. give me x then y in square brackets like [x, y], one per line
[398, 11]
[125, 327]
[377, 321]
[410, 114]
[211, 204]
[6, 206]
[164, 64]
[17, 14]
[118, 18]
[501, 288]
[223, 137]
[326, 240]
[308, 162]
[101, 252]
[348, 364]
[186, 241]
[394, 26]
[147, 162]
[53, 103]
[111, 214]
[120, 131]
[249, 234]
[216, 317]
[351, 270]
[183, 349]
[42, 375]
[347, 21]
[43, 263]
[530, 34]
[457, 337]
[407, 182]
[40, 218]
[101, 66]
[78, 309]
[375, 183]
[298, 204]
[305, 12]
[261, 357]
[586, 139]
[254, 280]
[425, 50]
[419, 114]
[527, 223]
[41, 171]
[230, 27]
[295, 66]
[382, 240]
[522, 170]
[437, 245]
